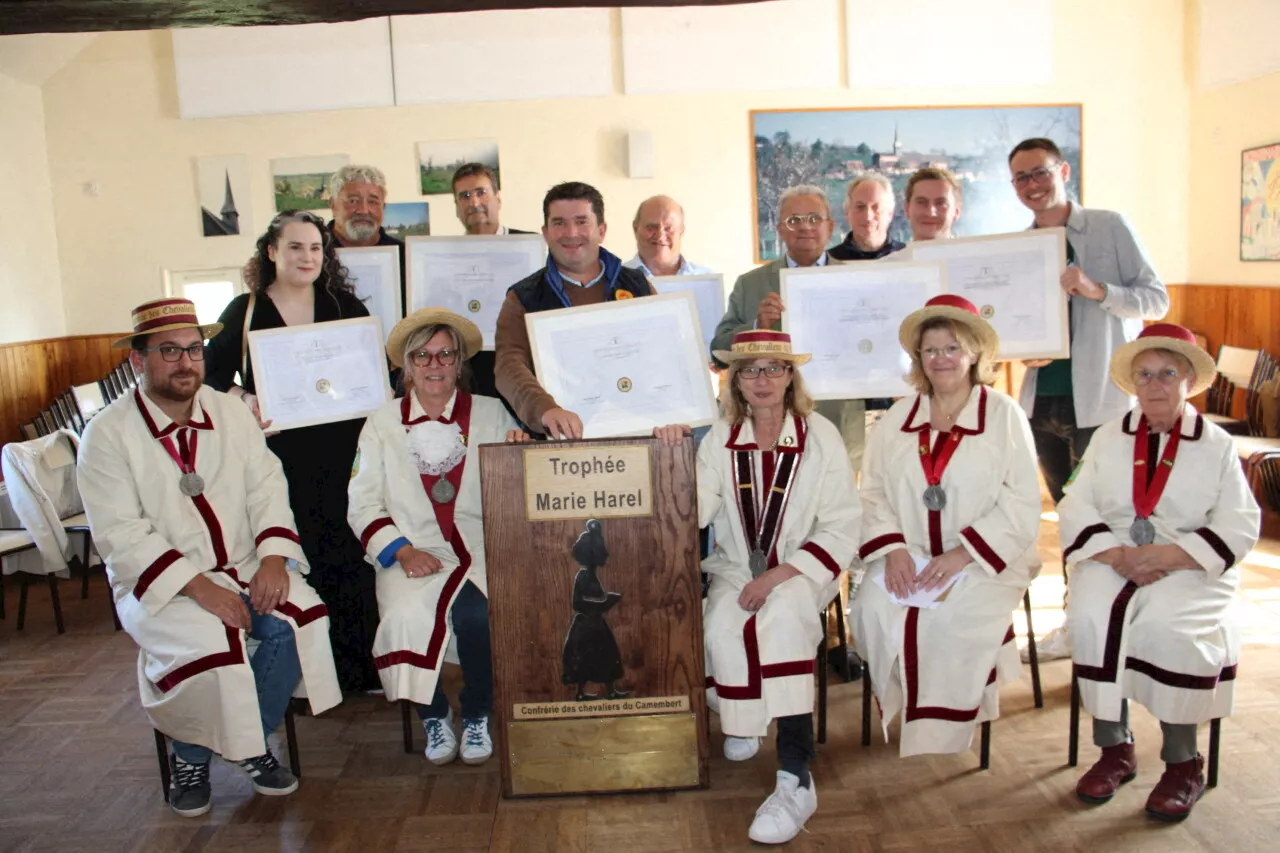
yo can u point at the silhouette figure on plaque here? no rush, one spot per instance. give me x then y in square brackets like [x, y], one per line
[590, 651]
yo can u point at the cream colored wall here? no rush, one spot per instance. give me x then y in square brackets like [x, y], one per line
[30, 292]
[1224, 122]
[111, 119]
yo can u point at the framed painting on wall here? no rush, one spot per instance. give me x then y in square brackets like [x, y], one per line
[830, 147]
[1260, 203]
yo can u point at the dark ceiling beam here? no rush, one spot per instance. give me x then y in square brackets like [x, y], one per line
[72, 16]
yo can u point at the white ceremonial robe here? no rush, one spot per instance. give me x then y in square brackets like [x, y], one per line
[942, 668]
[193, 671]
[761, 665]
[1169, 645]
[387, 501]
[40, 476]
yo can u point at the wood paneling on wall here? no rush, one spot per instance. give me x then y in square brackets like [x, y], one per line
[1228, 314]
[33, 373]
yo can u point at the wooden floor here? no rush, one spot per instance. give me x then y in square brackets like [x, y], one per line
[78, 769]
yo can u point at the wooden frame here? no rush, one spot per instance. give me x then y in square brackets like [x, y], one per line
[656, 332]
[381, 297]
[367, 398]
[879, 131]
[989, 287]
[476, 293]
[862, 358]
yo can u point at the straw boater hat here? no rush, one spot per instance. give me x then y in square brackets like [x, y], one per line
[761, 343]
[948, 306]
[165, 315]
[468, 331]
[1168, 336]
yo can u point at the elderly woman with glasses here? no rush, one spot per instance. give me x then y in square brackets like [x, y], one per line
[951, 515]
[774, 479]
[295, 279]
[415, 504]
[1153, 522]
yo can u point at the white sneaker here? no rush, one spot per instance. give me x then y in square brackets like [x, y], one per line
[477, 746]
[442, 743]
[1056, 644]
[740, 748]
[781, 817]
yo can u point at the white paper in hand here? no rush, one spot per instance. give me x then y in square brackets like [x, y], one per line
[924, 599]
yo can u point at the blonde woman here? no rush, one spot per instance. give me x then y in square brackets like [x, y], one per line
[951, 510]
[774, 478]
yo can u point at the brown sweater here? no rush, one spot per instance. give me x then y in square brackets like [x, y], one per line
[513, 363]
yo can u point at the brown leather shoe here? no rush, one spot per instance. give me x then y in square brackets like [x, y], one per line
[1117, 765]
[1177, 791]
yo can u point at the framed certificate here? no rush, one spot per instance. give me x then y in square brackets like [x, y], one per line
[319, 373]
[708, 294]
[625, 367]
[1013, 281]
[847, 316]
[375, 271]
[470, 275]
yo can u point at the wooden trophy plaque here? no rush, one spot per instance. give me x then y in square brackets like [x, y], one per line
[595, 610]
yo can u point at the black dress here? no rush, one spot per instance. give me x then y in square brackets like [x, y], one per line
[590, 651]
[317, 462]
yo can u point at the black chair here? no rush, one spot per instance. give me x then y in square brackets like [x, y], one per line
[984, 748]
[1073, 738]
[291, 738]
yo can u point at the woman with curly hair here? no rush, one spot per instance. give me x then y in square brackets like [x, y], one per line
[295, 279]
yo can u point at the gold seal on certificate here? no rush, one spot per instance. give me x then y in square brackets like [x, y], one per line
[324, 386]
[987, 312]
[474, 306]
[865, 346]
[624, 385]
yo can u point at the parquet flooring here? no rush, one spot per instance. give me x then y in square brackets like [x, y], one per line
[78, 769]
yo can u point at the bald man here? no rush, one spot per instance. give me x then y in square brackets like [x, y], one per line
[659, 229]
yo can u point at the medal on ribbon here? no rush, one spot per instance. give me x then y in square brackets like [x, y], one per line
[935, 497]
[1148, 486]
[762, 524]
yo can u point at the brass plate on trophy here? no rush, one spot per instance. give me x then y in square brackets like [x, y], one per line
[564, 482]
[628, 707]
[602, 754]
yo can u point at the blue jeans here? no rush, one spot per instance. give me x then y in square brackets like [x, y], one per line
[470, 618]
[276, 672]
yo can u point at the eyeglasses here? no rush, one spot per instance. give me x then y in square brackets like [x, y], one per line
[1168, 376]
[478, 192]
[172, 352]
[445, 358]
[1039, 174]
[773, 371]
[795, 222]
[950, 351]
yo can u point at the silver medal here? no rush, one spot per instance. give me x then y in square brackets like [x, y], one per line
[191, 484]
[443, 491]
[935, 499]
[757, 563]
[1142, 531]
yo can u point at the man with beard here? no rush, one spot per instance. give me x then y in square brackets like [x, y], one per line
[190, 510]
[357, 197]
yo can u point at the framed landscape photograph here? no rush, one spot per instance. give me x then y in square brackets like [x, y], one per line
[223, 186]
[439, 159]
[831, 147]
[302, 183]
[403, 219]
[1260, 203]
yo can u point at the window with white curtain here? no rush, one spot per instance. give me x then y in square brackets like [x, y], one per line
[210, 289]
